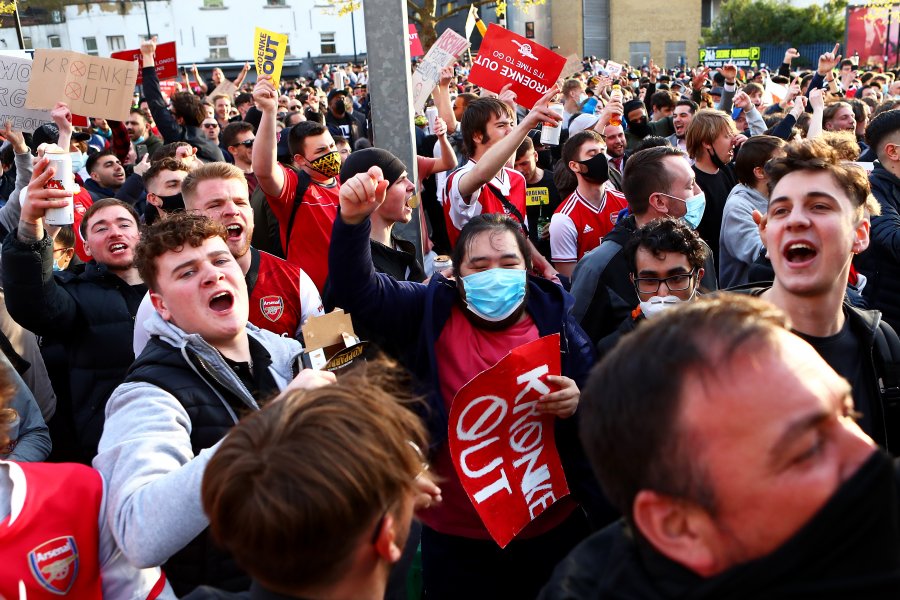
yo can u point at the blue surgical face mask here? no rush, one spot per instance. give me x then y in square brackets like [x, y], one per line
[694, 207]
[495, 294]
[78, 161]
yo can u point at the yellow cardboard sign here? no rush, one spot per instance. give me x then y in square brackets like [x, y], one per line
[270, 49]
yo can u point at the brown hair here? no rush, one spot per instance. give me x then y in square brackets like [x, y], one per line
[705, 127]
[295, 488]
[646, 174]
[630, 409]
[753, 153]
[232, 130]
[844, 143]
[188, 106]
[205, 172]
[100, 205]
[164, 164]
[171, 234]
[475, 119]
[817, 156]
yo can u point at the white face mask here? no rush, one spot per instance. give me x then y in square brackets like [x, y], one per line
[657, 304]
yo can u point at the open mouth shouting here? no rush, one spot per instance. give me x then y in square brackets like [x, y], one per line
[221, 302]
[799, 253]
[234, 231]
[118, 248]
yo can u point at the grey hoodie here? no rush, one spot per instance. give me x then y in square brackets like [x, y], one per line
[739, 241]
[145, 452]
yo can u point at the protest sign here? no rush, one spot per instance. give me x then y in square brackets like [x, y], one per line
[270, 48]
[165, 59]
[15, 73]
[774, 93]
[573, 65]
[415, 44]
[226, 88]
[503, 450]
[613, 69]
[90, 85]
[507, 57]
[471, 20]
[428, 72]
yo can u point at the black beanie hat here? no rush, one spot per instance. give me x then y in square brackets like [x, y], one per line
[361, 160]
[632, 105]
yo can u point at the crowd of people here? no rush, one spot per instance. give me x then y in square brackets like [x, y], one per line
[722, 268]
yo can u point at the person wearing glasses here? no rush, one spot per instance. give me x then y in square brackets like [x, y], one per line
[657, 183]
[237, 138]
[211, 130]
[666, 259]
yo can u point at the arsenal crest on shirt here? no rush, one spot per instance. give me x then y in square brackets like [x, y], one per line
[54, 564]
[272, 307]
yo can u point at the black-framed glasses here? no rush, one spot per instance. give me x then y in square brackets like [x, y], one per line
[246, 143]
[675, 283]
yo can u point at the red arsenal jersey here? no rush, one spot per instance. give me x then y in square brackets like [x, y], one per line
[459, 211]
[577, 226]
[282, 297]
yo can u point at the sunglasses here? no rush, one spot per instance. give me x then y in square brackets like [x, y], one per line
[210, 125]
[246, 143]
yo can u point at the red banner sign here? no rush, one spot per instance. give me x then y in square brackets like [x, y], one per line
[166, 61]
[504, 451]
[415, 44]
[506, 57]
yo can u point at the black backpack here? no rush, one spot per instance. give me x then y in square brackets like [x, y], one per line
[266, 229]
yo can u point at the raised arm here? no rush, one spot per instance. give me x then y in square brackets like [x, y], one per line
[265, 152]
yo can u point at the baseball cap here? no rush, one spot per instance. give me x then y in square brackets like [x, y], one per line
[582, 122]
[335, 92]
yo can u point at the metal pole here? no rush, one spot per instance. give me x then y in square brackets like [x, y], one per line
[147, 17]
[19, 35]
[390, 87]
[353, 26]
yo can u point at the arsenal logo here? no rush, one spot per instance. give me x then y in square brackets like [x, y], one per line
[614, 217]
[272, 307]
[54, 564]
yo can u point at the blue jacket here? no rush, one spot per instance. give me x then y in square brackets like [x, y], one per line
[414, 314]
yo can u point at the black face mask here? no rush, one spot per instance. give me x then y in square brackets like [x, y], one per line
[715, 159]
[172, 203]
[597, 168]
[639, 128]
[338, 108]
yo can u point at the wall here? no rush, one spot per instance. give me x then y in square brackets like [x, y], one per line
[657, 22]
[568, 28]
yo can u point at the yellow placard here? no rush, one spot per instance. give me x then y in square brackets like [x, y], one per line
[537, 196]
[270, 50]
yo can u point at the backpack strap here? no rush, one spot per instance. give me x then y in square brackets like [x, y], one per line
[508, 206]
[303, 181]
[886, 355]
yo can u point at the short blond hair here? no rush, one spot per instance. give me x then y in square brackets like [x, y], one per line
[205, 172]
[705, 127]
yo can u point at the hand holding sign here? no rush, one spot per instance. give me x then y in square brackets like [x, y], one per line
[362, 195]
[541, 113]
[264, 95]
[562, 403]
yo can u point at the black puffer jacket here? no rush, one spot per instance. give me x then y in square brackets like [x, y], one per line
[881, 262]
[169, 129]
[92, 314]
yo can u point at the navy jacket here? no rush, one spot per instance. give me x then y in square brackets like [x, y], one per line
[414, 314]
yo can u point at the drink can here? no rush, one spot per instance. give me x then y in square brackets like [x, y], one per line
[431, 113]
[441, 262]
[63, 179]
[550, 135]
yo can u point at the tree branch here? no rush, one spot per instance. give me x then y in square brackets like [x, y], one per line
[462, 8]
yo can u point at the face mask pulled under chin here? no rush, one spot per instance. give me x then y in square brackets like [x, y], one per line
[79, 159]
[328, 165]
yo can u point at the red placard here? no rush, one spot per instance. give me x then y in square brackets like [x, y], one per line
[415, 44]
[503, 450]
[506, 57]
[166, 60]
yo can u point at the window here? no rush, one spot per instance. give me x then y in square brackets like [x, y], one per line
[639, 53]
[275, 3]
[287, 46]
[218, 46]
[56, 16]
[328, 45]
[53, 41]
[90, 46]
[213, 3]
[115, 42]
[706, 13]
[676, 54]
[529, 30]
[27, 43]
